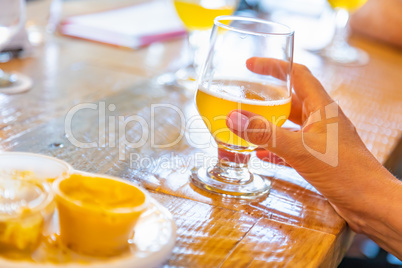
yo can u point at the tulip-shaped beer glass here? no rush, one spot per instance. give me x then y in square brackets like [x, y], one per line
[197, 17]
[339, 50]
[226, 84]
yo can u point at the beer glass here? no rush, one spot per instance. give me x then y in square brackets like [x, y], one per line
[226, 84]
[339, 50]
[197, 17]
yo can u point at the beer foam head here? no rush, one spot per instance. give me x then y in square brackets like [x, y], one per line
[247, 92]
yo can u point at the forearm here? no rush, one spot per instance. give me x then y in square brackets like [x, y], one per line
[378, 213]
[384, 217]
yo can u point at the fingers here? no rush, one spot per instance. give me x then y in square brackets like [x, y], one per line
[269, 66]
[270, 157]
[305, 84]
[296, 113]
[259, 131]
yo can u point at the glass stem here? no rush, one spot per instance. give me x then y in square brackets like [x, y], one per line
[192, 44]
[339, 51]
[198, 43]
[232, 166]
[341, 32]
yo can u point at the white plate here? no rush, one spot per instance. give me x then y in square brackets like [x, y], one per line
[155, 235]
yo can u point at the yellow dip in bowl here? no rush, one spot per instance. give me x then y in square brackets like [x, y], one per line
[97, 213]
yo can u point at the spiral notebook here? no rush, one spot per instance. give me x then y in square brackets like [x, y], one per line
[131, 27]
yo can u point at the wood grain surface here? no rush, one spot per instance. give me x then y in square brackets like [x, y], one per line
[294, 226]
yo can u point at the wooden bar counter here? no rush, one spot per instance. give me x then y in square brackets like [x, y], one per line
[294, 226]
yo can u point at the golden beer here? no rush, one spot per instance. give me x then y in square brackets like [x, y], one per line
[216, 102]
[198, 17]
[350, 5]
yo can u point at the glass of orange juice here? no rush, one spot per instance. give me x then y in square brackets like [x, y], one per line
[339, 51]
[226, 84]
[198, 18]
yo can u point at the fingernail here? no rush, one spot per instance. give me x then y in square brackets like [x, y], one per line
[239, 122]
[250, 64]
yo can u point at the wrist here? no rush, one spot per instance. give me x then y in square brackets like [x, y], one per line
[372, 203]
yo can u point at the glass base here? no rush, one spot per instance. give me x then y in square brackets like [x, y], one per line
[254, 187]
[185, 78]
[346, 55]
[14, 83]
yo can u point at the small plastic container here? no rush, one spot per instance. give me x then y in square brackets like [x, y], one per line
[97, 213]
[32, 166]
[25, 208]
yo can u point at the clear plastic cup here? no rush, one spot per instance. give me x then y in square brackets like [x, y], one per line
[97, 213]
[25, 208]
[32, 166]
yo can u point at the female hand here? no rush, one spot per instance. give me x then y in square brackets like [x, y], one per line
[329, 154]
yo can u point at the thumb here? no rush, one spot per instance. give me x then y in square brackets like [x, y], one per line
[259, 131]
